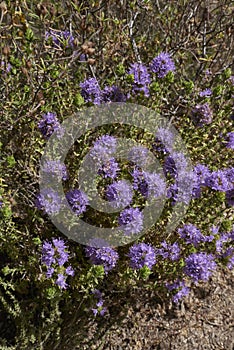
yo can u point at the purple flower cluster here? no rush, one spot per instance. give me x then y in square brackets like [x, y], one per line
[192, 235]
[223, 252]
[102, 255]
[100, 309]
[56, 169]
[164, 139]
[148, 184]
[141, 255]
[103, 149]
[91, 92]
[54, 256]
[230, 140]
[112, 94]
[169, 251]
[205, 93]
[49, 201]
[77, 200]
[218, 181]
[60, 38]
[141, 78]
[162, 65]
[202, 114]
[138, 155]
[109, 169]
[119, 194]
[131, 221]
[199, 266]
[182, 292]
[50, 124]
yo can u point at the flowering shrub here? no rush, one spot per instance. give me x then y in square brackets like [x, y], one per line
[59, 59]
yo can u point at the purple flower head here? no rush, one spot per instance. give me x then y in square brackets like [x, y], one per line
[169, 251]
[119, 194]
[201, 114]
[70, 271]
[175, 163]
[141, 255]
[61, 281]
[103, 149]
[156, 186]
[112, 94]
[50, 271]
[192, 235]
[218, 181]
[77, 200]
[91, 91]
[199, 266]
[230, 197]
[109, 169]
[205, 93]
[202, 172]
[224, 238]
[138, 155]
[56, 169]
[182, 292]
[148, 184]
[105, 256]
[230, 140]
[229, 173]
[50, 124]
[49, 201]
[164, 140]
[60, 38]
[162, 64]
[131, 221]
[141, 78]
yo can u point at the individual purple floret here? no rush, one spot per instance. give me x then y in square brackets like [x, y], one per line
[199, 266]
[218, 181]
[50, 124]
[77, 200]
[202, 114]
[230, 197]
[61, 281]
[103, 149]
[169, 251]
[60, 248]
[49, 201]
[112, 94]
[56, 169]
[141, 255]
[138, 155]
[230, 140]
[119, 194]
[164, 140]
[60, 37]
[91, 91]
[192, 235]
[131, 221]
[205, 93]
[141, 78]
[183, 290]
[162, 65]
[48, 253]
[109, 169]
[105, 256]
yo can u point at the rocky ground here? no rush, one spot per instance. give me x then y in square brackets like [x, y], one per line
[205, 320]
